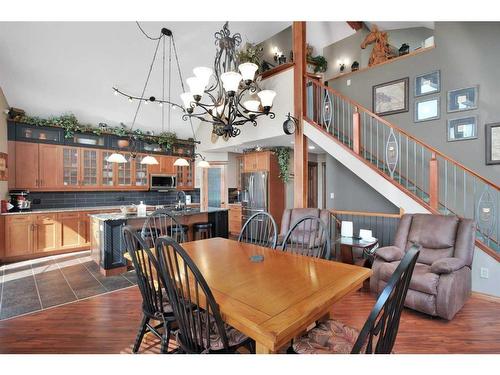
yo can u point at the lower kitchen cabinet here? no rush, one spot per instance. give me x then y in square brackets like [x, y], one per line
[45, 234]
[235, 223]
[74, 230]
[18, 235]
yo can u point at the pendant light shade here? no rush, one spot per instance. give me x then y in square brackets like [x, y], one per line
[267, 97]
[116, 158]
[181, 162]
[203, 164]
[248, 71]
[187, 99]
[252, 105]
[231, 81]
[196, 87]
[149, 160]
[203, 74]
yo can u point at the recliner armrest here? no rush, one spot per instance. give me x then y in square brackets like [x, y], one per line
[447, 265]
[390, 253]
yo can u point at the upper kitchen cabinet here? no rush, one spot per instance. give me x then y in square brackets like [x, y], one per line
[32, 133]
[37, 166]
[49, 166]
[27, 165]
[165, 165]
[185, 177]
[140, 177]
[256, 161]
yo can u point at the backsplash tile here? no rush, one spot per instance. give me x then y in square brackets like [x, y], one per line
[105, 198]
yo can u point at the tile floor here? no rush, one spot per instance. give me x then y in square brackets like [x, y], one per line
[38, 284]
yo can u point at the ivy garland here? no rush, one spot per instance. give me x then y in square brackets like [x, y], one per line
[283, 154]
[70, 124]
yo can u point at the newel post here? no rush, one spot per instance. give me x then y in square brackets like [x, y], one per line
[433, 182]
[356, 132]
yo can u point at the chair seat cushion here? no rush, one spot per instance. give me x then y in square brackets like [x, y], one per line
[329, 337]
[423, 280]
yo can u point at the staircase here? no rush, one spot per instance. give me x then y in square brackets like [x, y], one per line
[405, 170]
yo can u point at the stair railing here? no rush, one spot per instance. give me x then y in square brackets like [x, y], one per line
[438, 182]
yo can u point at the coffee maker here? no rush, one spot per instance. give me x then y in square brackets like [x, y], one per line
[19, 200]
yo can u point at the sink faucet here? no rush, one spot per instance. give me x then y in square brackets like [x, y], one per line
[181, 199]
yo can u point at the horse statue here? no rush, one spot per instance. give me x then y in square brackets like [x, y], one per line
[381, 50]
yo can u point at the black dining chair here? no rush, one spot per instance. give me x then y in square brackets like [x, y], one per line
[155, 305]
[162, 223]
[260, 229]
[201, 328]
[334, 337]
[308, 236]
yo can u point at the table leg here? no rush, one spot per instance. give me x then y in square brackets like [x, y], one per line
[346, 254]
[261, 349]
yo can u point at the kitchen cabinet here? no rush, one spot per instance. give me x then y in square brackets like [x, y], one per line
[37, 166]
[256, 161]
[235, 223]
[11, 152]
[27, 165]
[239, 171]
[185, 177]
[106, 177]
[70, 167]
[89, 168]
[45, 234]
[140, 178]
[49, 166]
[75, 229]
[124, 173]
[18, 235]
[165, 165]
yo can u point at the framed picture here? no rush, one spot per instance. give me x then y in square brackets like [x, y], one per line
[462, 99]
[460, 129]
[429, 83]
[3, 167]
[427, 109]
[493, 143]
[390, 97]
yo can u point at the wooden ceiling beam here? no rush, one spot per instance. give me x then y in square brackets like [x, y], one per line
[355, 25]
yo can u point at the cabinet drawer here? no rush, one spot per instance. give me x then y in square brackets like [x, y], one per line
[18, 219]
[68, 215]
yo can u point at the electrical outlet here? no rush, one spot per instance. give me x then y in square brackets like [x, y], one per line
[484, 273]
[332, 195]
[348, 82]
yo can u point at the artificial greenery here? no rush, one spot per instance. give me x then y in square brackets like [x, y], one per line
[250, 53]
[283, 154]
[70, 124]
[319, 62]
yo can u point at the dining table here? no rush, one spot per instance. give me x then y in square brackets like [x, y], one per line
[270, 295]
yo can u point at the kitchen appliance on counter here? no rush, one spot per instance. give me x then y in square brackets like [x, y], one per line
[162, 182]
[254, 194]
[19, 200]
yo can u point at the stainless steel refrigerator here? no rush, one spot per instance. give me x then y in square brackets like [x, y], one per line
[255, 193]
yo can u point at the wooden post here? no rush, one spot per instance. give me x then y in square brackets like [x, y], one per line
[356, 133]
[204, 189]
[433, 182]
[300, 146]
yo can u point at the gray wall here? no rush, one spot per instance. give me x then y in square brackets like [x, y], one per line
[467, 53]
[282, 40]
[351, 192]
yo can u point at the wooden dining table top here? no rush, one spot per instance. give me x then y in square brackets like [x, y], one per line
[274, 300]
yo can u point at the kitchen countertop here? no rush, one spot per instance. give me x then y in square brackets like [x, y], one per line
[76, 209]
[120, 216]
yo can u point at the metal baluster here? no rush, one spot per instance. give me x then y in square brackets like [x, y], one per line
[377, 139]
[465, 191]
[455, 188]
[473, 197]
[385, 145]
[423, 170]
[415, 167]
[343, 121]
[399, 156]
[446, 187]
[407, 173]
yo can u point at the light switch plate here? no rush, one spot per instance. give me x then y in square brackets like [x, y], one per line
[332, 195]
[484, 273]
[348, 82]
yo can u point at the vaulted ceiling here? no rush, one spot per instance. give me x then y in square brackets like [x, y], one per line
[50, 68]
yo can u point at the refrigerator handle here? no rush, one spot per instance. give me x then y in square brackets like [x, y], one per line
[265, 188]
[250, 190]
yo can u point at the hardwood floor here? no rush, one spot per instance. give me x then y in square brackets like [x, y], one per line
[108, 324]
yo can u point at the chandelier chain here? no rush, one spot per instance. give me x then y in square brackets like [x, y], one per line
[163, 89]
[170, 83]
[147, 36]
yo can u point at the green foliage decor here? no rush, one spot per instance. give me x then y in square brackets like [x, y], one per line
[319, 62]
[70, 124]
[250, 53]
[283, 154]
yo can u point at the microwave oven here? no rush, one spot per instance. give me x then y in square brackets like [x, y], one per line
[159, 182]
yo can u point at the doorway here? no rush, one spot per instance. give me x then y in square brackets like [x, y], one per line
[312, 184]
[213, 192]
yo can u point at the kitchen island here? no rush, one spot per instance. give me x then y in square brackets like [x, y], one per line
[107, 245]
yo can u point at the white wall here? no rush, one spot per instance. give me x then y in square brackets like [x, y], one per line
[3, 139]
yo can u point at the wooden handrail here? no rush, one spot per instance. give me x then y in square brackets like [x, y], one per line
[416, 140]
[277, 69]
[369, 214]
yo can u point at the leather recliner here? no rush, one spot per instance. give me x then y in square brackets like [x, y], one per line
[292, 215]
[441, 281]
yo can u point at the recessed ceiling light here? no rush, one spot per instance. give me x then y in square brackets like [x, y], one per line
[311, 147]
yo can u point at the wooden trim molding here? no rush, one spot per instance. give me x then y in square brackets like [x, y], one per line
[369, 214]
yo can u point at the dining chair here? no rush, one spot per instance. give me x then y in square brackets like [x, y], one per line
[155, 305]
[308, 236]
[260, 229]
[162, 223]
[201, 328]
[334, 337]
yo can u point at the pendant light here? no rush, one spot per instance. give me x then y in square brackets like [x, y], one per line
[149, 160]
[116, 158]
[181, 162]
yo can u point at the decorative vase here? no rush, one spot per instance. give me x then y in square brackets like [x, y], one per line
[123, 143]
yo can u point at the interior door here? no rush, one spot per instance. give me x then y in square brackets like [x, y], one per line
[216, 186]
[312, 184]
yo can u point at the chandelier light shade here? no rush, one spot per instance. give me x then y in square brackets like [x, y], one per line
[181, 162]
[230, 94]
[203, 74]
[149, 160]
[203, 164]
[116, 158]
[252, 105]
[230, 81]
[266, 98]
[248, 71]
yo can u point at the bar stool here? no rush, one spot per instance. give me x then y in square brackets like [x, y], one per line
[202, 231]
[178, 232]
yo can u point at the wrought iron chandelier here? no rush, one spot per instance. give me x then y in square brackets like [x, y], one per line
[162, 102]
[233, 93]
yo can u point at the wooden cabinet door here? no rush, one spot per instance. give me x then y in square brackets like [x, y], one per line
[84, 228]
[27, 165]
[262, 161]
[249, 162]
[46, 236]
[89, 168]
[239, 170]
[107, 172]
[124, 173]
[185, 177]
[140, 176]
[11, 164]
[70, 229]
[18, 235]
[156, 168]
[50, 166]
[167, 164]
[235, 219]
[71, 167]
